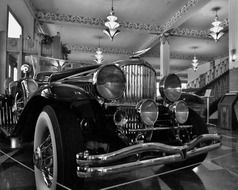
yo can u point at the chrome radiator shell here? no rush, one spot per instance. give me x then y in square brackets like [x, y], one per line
[140, 82]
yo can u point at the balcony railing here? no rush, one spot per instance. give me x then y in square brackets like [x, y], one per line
[206, 78]
[34, 47]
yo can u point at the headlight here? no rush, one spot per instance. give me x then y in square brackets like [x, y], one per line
[110, 82]
[170, 87]
[181, 111]
[148, 111]
[120, 118]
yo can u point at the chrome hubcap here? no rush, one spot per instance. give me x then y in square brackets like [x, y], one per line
[43, 160]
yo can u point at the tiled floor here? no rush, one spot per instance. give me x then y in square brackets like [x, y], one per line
[218, 172]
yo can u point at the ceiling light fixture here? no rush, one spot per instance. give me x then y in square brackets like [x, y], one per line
[216, 30]
[195, 60]
[111, 31]
[99, 55]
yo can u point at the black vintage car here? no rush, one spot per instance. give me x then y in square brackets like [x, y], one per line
[104, 119]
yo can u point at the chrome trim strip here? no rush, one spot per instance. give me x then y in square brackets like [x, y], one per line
[160, 128]
[91, 165]
[87, 171]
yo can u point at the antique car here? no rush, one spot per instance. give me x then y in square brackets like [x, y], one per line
[101, 120]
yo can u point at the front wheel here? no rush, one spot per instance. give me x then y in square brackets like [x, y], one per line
[57, 140]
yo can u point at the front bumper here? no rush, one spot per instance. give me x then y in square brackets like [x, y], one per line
[99, 165]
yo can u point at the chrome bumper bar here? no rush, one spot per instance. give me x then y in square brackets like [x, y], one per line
[99, 165]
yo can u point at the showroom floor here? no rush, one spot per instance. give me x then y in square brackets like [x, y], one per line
[218, 172]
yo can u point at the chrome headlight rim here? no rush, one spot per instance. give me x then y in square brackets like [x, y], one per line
[170, 88]
[181, 111]
[100, 91]
[120, 118]
[140, 107]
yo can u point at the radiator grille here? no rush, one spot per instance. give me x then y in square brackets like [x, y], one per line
[140, 83]
[88, 87]
[133, 122]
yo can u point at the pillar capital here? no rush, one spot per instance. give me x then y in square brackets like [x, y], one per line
[164, 39]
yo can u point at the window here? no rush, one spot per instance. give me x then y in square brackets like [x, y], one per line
[14, 28]
[14, 31]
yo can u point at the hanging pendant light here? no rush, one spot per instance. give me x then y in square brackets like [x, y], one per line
[99, 55]
[216, 30]
[111, 31]
[195, 61]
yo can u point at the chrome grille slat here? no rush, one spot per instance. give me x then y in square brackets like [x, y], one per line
[133, 122]
[140, 83]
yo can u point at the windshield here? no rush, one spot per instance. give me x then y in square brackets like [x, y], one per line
[43, 67]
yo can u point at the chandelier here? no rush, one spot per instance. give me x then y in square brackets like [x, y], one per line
[216, 30]
[99, 55]
[195, 61]
[111, 31]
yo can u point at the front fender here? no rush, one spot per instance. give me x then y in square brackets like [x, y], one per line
[55, 93]
[195, 102]
[191, 99]
[63, 92]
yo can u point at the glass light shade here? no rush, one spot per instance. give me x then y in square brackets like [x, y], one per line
[195, 60]
[112, 25]
[216, 22]
[99, 56]
[216, 29]
[217, 36]
[195, 63]
[111, 33]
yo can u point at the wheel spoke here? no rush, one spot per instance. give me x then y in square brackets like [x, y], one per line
[46, 159]
[45, 143]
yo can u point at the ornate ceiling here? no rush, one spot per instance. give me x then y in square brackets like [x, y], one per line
[187, 22]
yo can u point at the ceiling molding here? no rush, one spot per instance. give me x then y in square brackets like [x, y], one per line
[182, 11]
[141, 26]
[171, 22]
[175, 55]
[190, 57]
[105, 50]
[118, 51]
[191, 33]
[51, 17]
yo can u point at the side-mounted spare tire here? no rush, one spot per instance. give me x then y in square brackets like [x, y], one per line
[57, 140]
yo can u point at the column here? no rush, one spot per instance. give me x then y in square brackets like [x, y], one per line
[3, 43]
[20, 58]
[3, 59]
[164, 56]
[233, 45]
